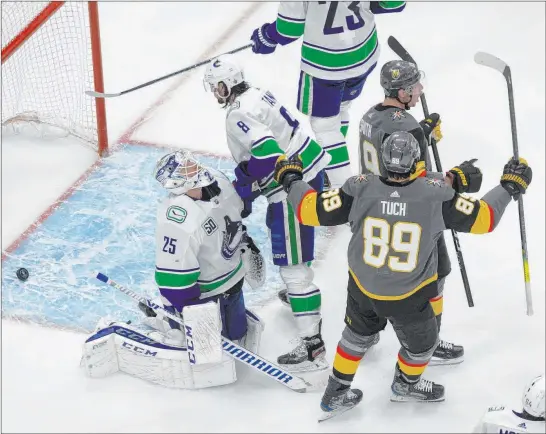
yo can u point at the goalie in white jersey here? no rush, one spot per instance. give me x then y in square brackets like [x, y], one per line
[502, 420]
[203, 255]
[259, 130]
[339, 51]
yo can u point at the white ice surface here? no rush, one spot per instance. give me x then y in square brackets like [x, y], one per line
[44, 390]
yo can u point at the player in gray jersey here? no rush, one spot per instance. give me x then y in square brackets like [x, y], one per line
[392, 256]
[401, 82]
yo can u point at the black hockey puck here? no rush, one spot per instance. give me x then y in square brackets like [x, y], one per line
[22, 274]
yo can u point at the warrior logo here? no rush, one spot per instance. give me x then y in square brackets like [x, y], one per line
[395, 73]
[233, 236]
[216, 64]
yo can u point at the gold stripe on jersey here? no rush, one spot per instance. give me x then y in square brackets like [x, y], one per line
[307, 209]
[393, 297]
[420, 170]
[484, 221]
[437, 304]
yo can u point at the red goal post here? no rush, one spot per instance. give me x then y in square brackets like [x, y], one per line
[51, 54]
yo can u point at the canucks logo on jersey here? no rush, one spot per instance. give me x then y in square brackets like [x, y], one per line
[232, 237]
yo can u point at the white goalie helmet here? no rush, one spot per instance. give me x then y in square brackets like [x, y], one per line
[180, 172]
[223, 69]
[533, 397]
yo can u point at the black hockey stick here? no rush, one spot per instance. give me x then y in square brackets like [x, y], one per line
[172, 74]
[404, 55]
[487, 59]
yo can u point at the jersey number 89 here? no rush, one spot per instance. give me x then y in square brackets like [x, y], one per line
[380, 238]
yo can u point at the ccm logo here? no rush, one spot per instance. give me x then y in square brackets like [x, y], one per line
[138, 349]
[189, 344]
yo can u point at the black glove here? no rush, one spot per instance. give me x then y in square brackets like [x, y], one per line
[467, 178]
[432, 125]
[148, 311]
[516, 177]
[288, 171]
[247, 239]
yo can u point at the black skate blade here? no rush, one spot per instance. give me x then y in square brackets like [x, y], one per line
[401, 398]
[436, 361]
[326, 415]
[317, 365]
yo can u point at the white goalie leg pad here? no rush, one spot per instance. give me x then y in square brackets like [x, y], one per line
[304, 298]
[255, 326]
[328, 134]
[203, 327]
[99, 356]
[254, 264]
[151, 356]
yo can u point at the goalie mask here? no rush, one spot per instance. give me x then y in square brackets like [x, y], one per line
[179, 173]
[226, 70]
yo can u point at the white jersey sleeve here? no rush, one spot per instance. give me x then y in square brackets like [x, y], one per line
[250, 135]
[501, 420]
[177, 248]
[259, 130]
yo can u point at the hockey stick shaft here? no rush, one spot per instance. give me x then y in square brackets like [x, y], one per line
[234, 350]
[491, 61]
[404, 55]
[157, 80]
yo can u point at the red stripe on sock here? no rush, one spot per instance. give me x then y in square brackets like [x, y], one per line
[347, 356]
[412, 364]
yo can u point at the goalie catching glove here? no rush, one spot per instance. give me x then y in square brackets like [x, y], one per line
[288, 171]
[467, 178]
[516, 177]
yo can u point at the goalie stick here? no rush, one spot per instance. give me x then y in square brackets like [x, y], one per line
[233, 350]
[404, 55]
[157, 80]
[491, 61]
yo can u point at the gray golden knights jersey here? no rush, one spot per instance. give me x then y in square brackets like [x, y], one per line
[376, 125]
[501, 420]
[198, 244]
[393, 251]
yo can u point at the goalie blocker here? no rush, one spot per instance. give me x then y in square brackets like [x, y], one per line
[187, 359]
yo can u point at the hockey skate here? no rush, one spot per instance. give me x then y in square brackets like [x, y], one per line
[421, 391]
[309, 355]
[447, 353]
[337, 399]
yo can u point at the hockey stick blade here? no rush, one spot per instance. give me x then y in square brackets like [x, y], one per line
[399, 50]
[101, 95]
[487, 59]
[232, 349]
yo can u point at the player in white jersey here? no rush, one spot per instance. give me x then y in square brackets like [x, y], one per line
[340, 49]
[502, 420]
[259, 130]
[203, 255]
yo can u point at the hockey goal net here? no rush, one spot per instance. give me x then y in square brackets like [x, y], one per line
[50, 56]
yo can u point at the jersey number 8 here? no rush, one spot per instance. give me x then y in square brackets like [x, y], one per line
[465, 204]
[380, 238]
[370, 158]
